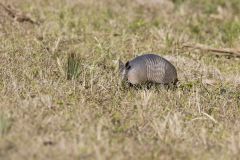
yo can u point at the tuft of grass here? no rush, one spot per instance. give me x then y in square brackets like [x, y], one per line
[73, 68]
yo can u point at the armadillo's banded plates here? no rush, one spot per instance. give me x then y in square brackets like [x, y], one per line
[158, 69]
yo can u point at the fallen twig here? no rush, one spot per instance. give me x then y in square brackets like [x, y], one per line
[223, 51]
[17, 15]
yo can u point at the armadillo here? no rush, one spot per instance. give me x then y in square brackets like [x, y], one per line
[148, 68]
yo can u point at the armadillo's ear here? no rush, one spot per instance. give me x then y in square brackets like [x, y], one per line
[120, 65]
[127, 65]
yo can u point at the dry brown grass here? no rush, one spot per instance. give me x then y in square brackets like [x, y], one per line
[55, 107]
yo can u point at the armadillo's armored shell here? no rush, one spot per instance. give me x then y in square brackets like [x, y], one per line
[152, 68]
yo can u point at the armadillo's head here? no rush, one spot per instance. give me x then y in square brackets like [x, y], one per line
[123, 70]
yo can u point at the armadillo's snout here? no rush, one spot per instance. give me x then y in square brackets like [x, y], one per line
[122, 71]
[123, 75]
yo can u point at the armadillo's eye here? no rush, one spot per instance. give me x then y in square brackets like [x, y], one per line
[127, 66]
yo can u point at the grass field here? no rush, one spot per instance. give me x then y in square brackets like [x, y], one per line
[60, 94]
